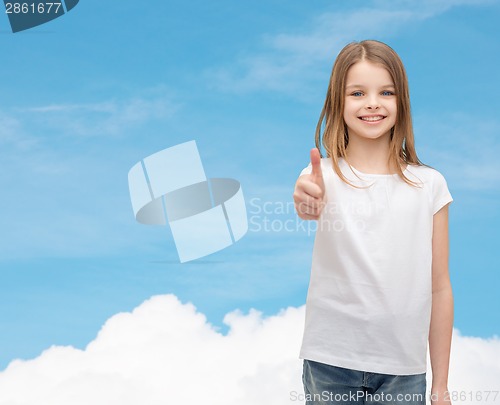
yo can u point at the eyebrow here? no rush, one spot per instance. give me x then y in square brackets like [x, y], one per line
[361, 86]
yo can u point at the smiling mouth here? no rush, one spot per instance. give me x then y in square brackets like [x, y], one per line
[373, 118]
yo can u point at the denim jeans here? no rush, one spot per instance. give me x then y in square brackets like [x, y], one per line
[325, 385]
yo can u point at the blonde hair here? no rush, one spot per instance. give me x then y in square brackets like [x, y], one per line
[335, 136]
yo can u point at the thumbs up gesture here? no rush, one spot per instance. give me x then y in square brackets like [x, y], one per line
[309, 194]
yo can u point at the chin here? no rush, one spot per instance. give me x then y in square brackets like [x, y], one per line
[375, 136]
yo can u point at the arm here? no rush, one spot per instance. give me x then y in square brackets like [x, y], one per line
[441, 326]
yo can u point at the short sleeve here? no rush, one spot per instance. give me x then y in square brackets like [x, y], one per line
[440, 193]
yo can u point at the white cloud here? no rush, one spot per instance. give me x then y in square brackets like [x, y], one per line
[475, 368]
[13, 134]
[288, 62]
[432, 7]
[110, 117]
[166, 352]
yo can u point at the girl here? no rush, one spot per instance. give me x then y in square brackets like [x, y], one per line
[380, 288]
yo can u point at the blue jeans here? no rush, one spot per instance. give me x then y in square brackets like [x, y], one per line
[326, 385]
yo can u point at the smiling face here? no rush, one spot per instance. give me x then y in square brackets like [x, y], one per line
[370, 102]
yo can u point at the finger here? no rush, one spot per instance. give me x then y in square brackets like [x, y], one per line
[309, 217]
[312, 189]
[312, 206]
[316, 164]
[308, 213]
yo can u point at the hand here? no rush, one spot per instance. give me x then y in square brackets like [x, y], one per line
[440, 396]
[309, 194]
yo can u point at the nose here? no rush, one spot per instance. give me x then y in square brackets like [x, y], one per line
[372, 103]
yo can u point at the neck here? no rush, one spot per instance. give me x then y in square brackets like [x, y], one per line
[369, 155]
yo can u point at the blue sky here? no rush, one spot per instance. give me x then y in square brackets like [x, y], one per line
[89, 94]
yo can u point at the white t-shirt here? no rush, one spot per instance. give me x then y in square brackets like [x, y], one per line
[369, 299]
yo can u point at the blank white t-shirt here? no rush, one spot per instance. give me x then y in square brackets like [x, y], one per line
[369, 299]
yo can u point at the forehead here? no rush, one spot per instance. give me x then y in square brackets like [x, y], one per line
[368, 74]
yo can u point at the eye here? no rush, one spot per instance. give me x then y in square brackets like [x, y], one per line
[387, 93]
[357, 93]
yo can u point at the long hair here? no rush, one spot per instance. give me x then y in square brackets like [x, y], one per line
[335, 137]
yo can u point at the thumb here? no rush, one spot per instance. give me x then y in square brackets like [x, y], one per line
[316, 173]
